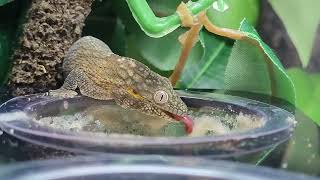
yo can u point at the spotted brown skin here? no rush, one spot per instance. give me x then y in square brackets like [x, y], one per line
[91, 66]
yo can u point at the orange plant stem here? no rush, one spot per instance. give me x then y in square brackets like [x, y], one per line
[225, 32]
[192, 37]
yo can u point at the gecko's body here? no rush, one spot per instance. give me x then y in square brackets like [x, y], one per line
[91, 66]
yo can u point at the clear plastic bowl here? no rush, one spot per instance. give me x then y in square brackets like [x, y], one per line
[17, 116]
[140, 168]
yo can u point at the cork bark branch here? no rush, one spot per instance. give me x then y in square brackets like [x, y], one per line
[51, 28]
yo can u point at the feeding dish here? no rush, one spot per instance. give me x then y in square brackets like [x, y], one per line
[265, 126]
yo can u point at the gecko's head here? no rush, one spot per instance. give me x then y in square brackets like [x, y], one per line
[150, 93]
[158, 92]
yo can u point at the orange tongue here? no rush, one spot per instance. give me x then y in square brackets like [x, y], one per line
[188, 123]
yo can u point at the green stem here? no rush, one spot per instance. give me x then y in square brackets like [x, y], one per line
[265, 155]
[155, 26]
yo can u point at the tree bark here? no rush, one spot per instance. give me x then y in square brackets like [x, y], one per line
[51, 28]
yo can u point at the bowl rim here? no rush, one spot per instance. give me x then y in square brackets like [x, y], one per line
[139, 164]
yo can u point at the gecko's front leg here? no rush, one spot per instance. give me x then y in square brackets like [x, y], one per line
[68, 88]
[78, 79]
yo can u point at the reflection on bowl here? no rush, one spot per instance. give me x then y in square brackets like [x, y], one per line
[142, 167]
[224, 126]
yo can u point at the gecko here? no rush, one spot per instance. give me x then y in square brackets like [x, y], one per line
[98, 73]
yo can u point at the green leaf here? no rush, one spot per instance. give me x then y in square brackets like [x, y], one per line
[255, 68]
[102, 24]
[235, 13]
[303, 84]
[207, 72]
[307, 92]
[301, 19]
[302, 153]
[162, 53]
[3, 2]
[164, 7]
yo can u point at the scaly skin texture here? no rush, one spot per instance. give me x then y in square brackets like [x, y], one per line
[91, 66]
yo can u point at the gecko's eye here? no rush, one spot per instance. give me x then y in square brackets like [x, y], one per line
[160, 97]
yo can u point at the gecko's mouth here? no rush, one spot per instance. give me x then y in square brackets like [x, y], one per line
[185, 119]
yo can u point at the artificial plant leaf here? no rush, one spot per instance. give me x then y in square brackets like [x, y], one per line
[159, 7]
[118, 41]
[207, 72]
[253, 67]
[303, 85]
[164, 7]
[3, 2]
[122, 11]
[235, 12]
[101, 24]
[302, 154]
[159, 54]
[162, 53]
[301, 19]
[307, 92]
